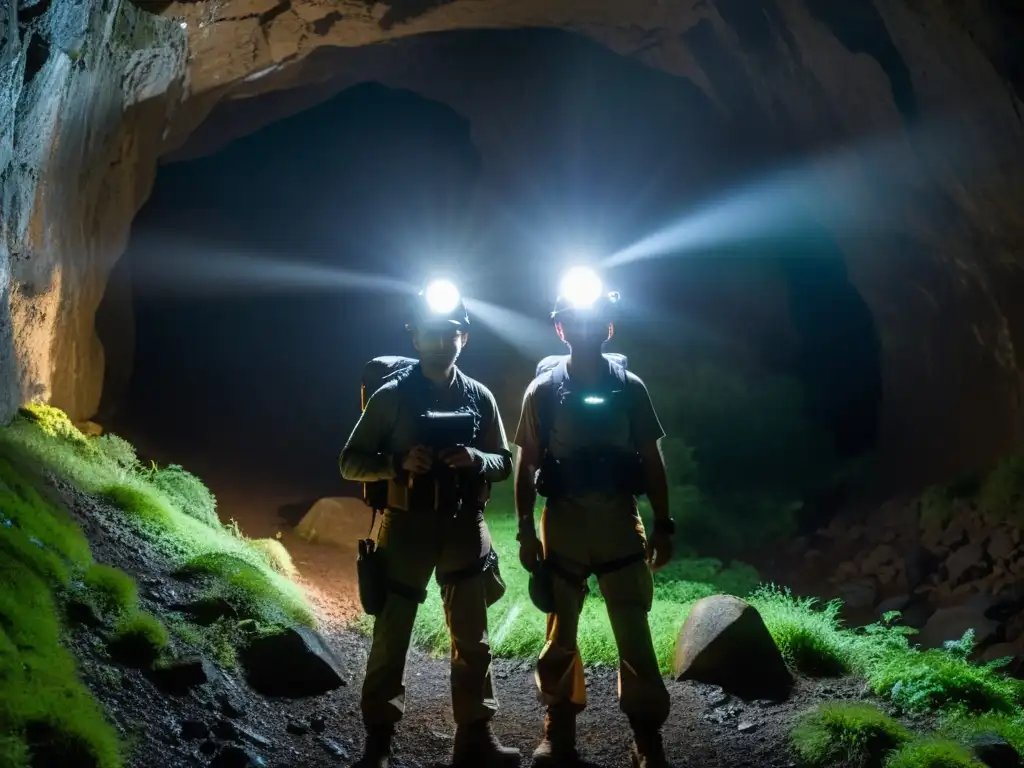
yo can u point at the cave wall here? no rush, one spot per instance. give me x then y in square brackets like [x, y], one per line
[92, 94]
[86, 90]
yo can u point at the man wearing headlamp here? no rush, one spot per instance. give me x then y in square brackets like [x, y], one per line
[588, 441]
[435, 437]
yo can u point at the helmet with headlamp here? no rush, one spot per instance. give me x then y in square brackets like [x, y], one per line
[581, 295]
[439, 304]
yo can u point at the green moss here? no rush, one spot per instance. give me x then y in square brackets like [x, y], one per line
[219, 641]
[139, 638]
[846, 734]
[932, 754]
[44, 552]
[53, 422]
[45, 711]
[247, 588]
[275, 554]
[112, 591]
[119, 451]
[185, 491]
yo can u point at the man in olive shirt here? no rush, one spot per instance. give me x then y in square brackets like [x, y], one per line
[422, 530]
[597, 413]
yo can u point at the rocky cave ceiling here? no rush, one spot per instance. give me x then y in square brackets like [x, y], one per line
[94, 93]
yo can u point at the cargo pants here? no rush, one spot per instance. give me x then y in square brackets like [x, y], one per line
[578, 540]
[413, 545]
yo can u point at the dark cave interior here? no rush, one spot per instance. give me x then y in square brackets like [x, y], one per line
[256, 373]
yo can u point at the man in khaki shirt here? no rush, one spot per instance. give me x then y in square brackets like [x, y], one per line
[599, 424]
[424, 529]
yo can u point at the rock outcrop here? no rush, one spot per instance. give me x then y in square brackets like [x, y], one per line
[93, 93]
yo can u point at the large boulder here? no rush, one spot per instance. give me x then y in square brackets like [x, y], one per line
[725, 642]
[293, 664]
[337, 520]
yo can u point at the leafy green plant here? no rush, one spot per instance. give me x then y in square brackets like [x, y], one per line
[923, 681]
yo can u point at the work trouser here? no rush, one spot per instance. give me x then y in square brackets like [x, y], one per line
[413, 544]
[580, 540]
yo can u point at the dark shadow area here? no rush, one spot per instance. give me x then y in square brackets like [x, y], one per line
[253, 319]
[257, 369]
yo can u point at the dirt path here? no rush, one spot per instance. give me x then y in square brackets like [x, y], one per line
[705, 729]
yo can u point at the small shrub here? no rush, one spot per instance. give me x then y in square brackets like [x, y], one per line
[112, 590]
[187, 492]
[932, 754]
[846, 734]
[277, 557]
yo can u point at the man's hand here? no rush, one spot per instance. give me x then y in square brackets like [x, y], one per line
[461, 457]
[418, 461]
[531, 551]
[659, 550]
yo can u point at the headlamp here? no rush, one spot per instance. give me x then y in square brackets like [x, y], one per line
[581, 287]
[442, 297]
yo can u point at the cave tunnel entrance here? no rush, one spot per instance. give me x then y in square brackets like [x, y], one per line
[254, 385]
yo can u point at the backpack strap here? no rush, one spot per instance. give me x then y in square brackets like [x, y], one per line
[546, 414]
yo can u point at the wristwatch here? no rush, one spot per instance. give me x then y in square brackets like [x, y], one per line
[665, 525]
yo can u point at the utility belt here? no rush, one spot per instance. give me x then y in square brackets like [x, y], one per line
[609, 473]
[375, 585]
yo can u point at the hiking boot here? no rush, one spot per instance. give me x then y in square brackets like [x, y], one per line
[558, 747]
[476, 745]
[648, 751]
[377, 752]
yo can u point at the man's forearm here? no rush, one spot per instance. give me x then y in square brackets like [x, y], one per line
[657, 490]
[495, 467]
[365, 467]
[526, 497]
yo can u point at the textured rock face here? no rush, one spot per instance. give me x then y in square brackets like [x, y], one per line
[86, 90]
[102, 89]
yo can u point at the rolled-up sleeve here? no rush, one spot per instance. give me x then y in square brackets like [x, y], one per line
[496, 457]
[364, 458]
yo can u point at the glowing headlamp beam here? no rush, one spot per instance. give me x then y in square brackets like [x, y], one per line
[581, 287]
[442, 297]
